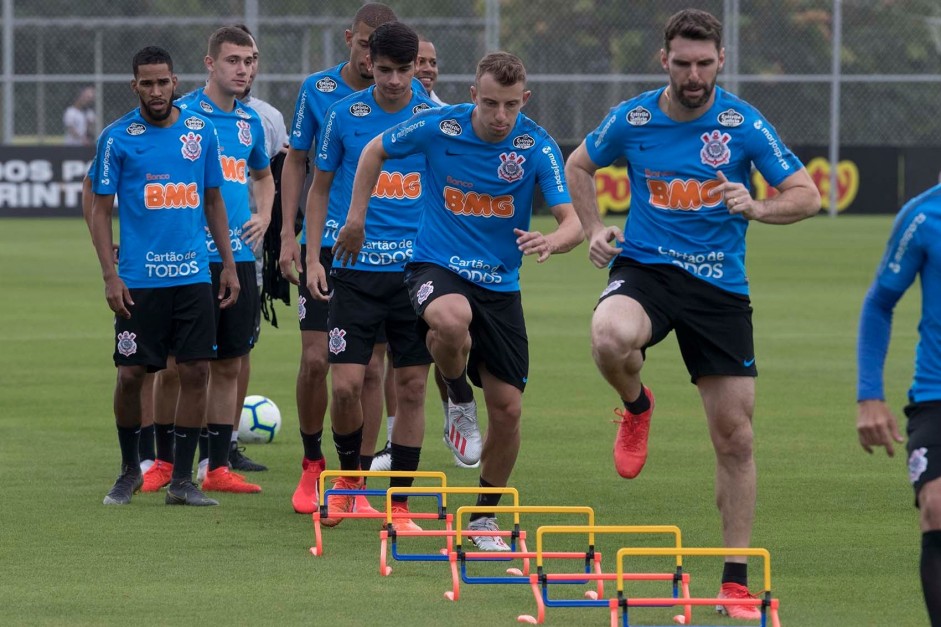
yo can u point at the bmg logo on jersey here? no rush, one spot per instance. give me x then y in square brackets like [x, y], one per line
[233, 169]
[171, 196]
[474, 204]
[397, 185]
[171, 264]
[683, 195]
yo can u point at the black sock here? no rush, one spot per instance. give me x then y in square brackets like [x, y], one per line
[312, 450]
[365, 461]
[348, 446]
[459, 389]
[404, 458]
[145, 448]
[639, 406]
[218, 438]
[486, 500]
[735, 573]
[931, 574]
[128, 438]
[185, 441]
[164, 436]
[203, 444]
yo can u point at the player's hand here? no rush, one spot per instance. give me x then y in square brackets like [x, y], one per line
[118, 296]
[601, 250]
[737, 198]
[290, 259]
[877, 426]
[533, 243]
[349, 243]
[228, 282]
[253, 231]
[317, 280]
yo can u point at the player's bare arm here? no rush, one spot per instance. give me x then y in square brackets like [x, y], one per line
[580, 175]
[218, 222]
[292, 180]
[566, 237]
[798, 198]
[352, 234]
[116, 292]
[318, 198]
[263, 191]
[877, 426]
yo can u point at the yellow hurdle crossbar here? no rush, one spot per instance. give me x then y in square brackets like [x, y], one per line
[690, 551]
[516, 510]
[418, 474]
[444, 491]
[591, 530]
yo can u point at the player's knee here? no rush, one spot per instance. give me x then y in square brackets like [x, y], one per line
[314, 365]
[612, 343]
[410, 391]
[734, 441]
[226, 368]
[130, 380]
[346, 392]
[929, 504]
[193, 374]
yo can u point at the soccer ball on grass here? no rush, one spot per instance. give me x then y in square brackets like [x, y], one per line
[261, 420]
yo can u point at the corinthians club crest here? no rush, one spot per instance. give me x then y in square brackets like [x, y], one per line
[191, 145]
[126, 344]
[245, 132]
[715, 150]
[511, 167]
[337, 343]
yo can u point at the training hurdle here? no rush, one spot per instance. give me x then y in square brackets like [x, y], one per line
[540, 580]
[389, 535]
[516, 575]
[768, 605]
[322, 511]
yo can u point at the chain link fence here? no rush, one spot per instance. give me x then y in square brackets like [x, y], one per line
[583, 56]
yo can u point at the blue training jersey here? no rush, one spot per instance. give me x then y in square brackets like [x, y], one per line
[397, 203]
[676, 216]
[477, 192]
[913, 250]
[160, 176]
[241, 148]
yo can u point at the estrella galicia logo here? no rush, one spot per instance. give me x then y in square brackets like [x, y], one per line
[731, 118]
[242, 113]
[360, 109]
[524, 142]
[205, 106]
[421, 106]
[326, 84]
[450, 127]
[638, 116]
[136, 129]
[194, 123]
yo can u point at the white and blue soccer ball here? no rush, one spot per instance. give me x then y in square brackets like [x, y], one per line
[261, 420]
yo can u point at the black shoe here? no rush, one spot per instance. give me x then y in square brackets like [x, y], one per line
[129, 481]
[186, 493]
[239, 461]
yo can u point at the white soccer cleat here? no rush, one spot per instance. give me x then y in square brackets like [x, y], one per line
[462, 434]
[382, 461]
[488, 542]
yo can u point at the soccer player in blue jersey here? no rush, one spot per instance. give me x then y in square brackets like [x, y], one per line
[230, 59]
[484, 162]
[163, 164]
[318, 92]
[372, 295]
[913, 250]
[679, 263]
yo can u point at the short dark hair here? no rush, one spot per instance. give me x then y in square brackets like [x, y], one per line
[374, 15]
[228, 35]
[693, 24]
[243, 27]
[506, 68]
[151, 55]
[394, 41]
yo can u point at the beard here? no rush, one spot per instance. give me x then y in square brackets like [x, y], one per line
[154, 115]
[693, 103]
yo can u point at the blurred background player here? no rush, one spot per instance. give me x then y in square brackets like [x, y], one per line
[162, 303]
[463, 278]
[913, 250]
[79, 120]
[318, 92]
[371, 294]
[698, 209]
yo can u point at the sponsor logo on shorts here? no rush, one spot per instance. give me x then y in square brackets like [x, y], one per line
[194, 123]
[638, 116]
[523, 142]
[205, 106]
[731, 118]
[612, 286]
[360, 109]
[421, 106]
[511, 167]
[337, 343]
[126, 344]
[917, 464]
[715, 150]
[191, 145]
[424, 292]
[326, 84]
[301, 307]
[245, 132]
[136, 129]
[450, 127]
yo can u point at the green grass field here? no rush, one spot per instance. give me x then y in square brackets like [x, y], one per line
[840, 525]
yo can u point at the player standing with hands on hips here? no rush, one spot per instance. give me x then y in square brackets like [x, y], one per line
[679, 264]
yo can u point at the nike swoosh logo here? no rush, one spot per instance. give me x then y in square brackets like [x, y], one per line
[748, 362]
[179, 435]
[215, 347]
[211, 432]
